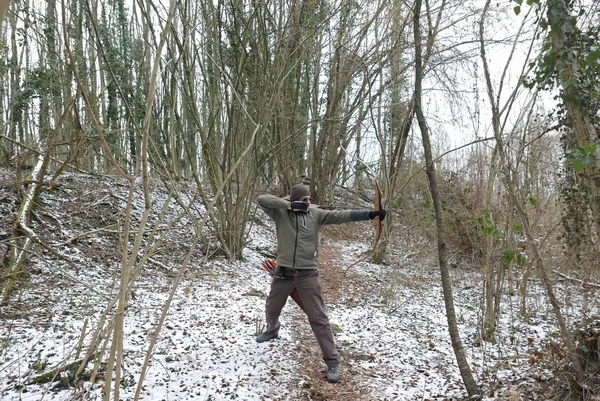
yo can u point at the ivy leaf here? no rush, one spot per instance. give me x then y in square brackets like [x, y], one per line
[593, 55]
[518, 228]
[584, 349]
[533, 201]
[578, 165]
[584, 156]
[517, 10]
[547, 46]
[588, 159]
[589, 149]
[508, 255]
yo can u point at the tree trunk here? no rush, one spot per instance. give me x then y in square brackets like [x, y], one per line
[20, 248]
[491, 297]
[463, 365]
[584, 132]
[16, 112]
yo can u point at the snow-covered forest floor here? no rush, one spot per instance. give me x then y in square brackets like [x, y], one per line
[389, 321]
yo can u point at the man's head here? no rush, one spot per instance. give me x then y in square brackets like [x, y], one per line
[299, 192]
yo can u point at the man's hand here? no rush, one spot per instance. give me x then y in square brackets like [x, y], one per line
[380, 213]
[299, 206]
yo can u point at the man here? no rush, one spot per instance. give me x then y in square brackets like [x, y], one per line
[297, 223]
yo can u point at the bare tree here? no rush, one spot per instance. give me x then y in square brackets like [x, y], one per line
[510, 181]
[350, 79]
[463, 365]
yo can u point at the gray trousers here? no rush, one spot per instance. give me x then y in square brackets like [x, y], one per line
[309, 287]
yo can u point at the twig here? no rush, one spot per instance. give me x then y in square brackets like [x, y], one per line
[159, 264]
[81, 338]
[37, 152]
[54, 373]
[576, 280]
[14, 274]
[23, 355]
[118, 197]
[70, 240]
[62, 257]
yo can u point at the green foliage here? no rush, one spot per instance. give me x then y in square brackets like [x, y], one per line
[587, 334]
[570, 61]
[118, 60]
[580, 52]
[583, 156]
[38, 80]
[508, 255]
[5, 343]
[583, 349]
[518, 228]
[463, 213]
[487, 225]
[38, 84]
[128, 381]
[517, 8]
[521, 259]
[20, 103]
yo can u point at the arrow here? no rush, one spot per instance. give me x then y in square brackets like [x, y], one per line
[270, 266]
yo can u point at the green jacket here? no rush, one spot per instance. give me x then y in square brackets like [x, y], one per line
[298, 232]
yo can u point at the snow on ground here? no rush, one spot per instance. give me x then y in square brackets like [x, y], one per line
[206, 350]
[394, 336]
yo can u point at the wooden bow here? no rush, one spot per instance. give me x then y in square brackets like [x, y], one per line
[377, 220]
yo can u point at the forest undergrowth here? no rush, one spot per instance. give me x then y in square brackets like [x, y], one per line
[388, 319]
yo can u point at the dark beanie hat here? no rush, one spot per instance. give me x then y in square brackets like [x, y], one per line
[299, 191]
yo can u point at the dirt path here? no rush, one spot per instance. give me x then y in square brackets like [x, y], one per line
[354, 383]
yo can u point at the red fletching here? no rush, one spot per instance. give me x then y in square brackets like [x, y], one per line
[269, 265]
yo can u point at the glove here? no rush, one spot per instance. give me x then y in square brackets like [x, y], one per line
[380, 213]
[301, 206]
